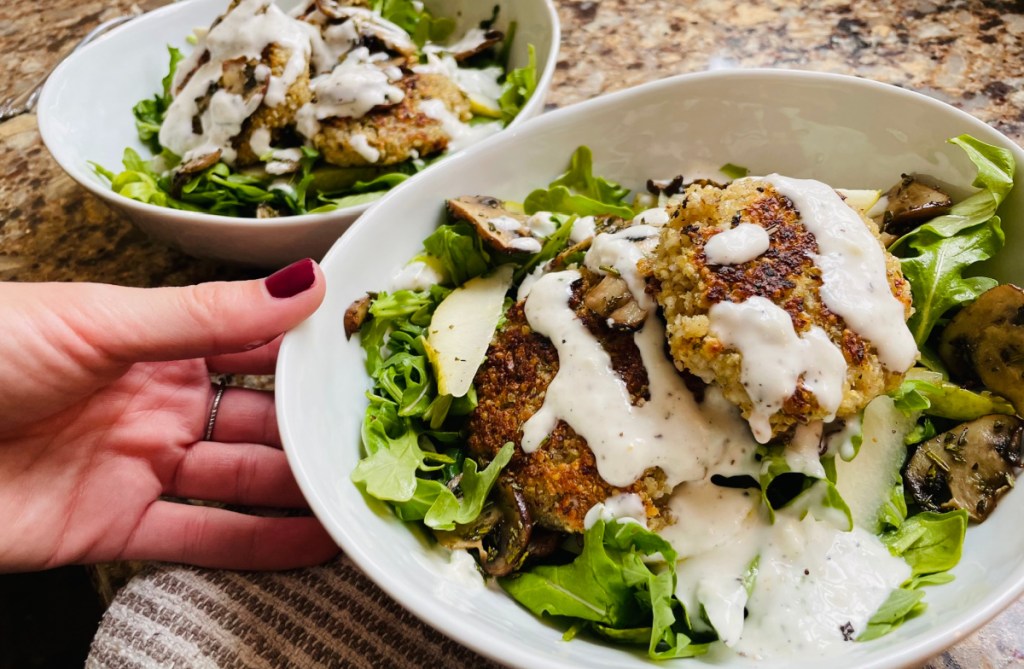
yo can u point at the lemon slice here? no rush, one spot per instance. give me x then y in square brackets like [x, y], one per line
[461, 330]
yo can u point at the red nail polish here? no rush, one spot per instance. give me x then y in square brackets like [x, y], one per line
[291, 280]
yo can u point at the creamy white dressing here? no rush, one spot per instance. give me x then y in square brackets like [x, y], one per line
[625, 507]
[361, 145]
[505, 224]
[525, 244]
[460, 134]
[621, 251]
[583, 228]
[713, 535]
[737, 245]
[852, 264]
[776, 359]
[813, 581]
[417, 275]
[587, 394]
[541, 224]
[802, 454]
[657, 217]
[482, 84]
[243, 33]
[357, 85]
[526, 285]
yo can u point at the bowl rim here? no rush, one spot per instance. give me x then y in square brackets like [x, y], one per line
[508, 651]
[76, 172]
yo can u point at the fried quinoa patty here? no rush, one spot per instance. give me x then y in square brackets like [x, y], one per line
[559, 481]
[785, 274]
[398, 132]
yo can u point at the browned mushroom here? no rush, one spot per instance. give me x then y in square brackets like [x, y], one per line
[968, 467]
[911, 202]
[984, 343]
[510, 538]
[369, 25]
[612, 299]
[503, 230]
[184, 172]
[467, 48]
[356, 314]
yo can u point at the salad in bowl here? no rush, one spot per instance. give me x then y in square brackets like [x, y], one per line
[654, 405]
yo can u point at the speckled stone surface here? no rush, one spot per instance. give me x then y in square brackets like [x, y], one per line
[967, 53]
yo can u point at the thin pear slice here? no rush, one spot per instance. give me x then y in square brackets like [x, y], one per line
[860, 200]
[462, 328]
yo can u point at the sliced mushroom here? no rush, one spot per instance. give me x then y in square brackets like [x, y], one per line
[475, 43]
[508, 549]
[503, 230]
[370, 25]
[968, 467]
[184, 172]
[984, 343]
[356, 314]
[910, 203]
[612, 299]
[471, 535]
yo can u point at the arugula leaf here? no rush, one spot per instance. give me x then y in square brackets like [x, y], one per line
[520, 85]
[389, 471]
[935, 255]
[901, 605]
[460, 251]
[149, 113]
[413, 19]
[610, 584]
[928, 392]
[930, 542]
[553, 245]
[734, 171]
[579, 192]
[437, 506]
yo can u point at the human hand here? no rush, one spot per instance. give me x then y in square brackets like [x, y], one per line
[104, 399]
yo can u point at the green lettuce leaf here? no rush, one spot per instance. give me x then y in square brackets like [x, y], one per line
[929, 393]
[901, 605]
[930, 542]
[149, 113]
[438, 507]
[935, 256]
[519, 86]
[460, 251]
[579, 192]
[609, 584]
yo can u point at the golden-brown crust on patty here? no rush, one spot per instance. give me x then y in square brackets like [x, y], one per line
[785, 274]
[398, 132]
[559, 480]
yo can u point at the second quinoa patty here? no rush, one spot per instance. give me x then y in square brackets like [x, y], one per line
[688, 286]
[559, 481]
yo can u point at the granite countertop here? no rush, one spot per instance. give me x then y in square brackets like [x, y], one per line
[968, 53]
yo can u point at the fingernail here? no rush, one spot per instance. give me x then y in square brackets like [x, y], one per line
[291, 280]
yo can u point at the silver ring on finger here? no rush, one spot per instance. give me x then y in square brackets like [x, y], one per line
[214, 408]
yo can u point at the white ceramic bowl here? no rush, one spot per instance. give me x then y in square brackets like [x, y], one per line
[85, 114]
[841, 130]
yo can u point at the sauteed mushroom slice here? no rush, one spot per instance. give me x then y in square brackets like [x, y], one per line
[480, 42]
[357, 313]
[984, 343]
[510, 538]
[968, 467]
[503, 230]
[611, 299]
[912, 202]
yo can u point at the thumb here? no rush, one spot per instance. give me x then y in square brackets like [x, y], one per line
[136, 325]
